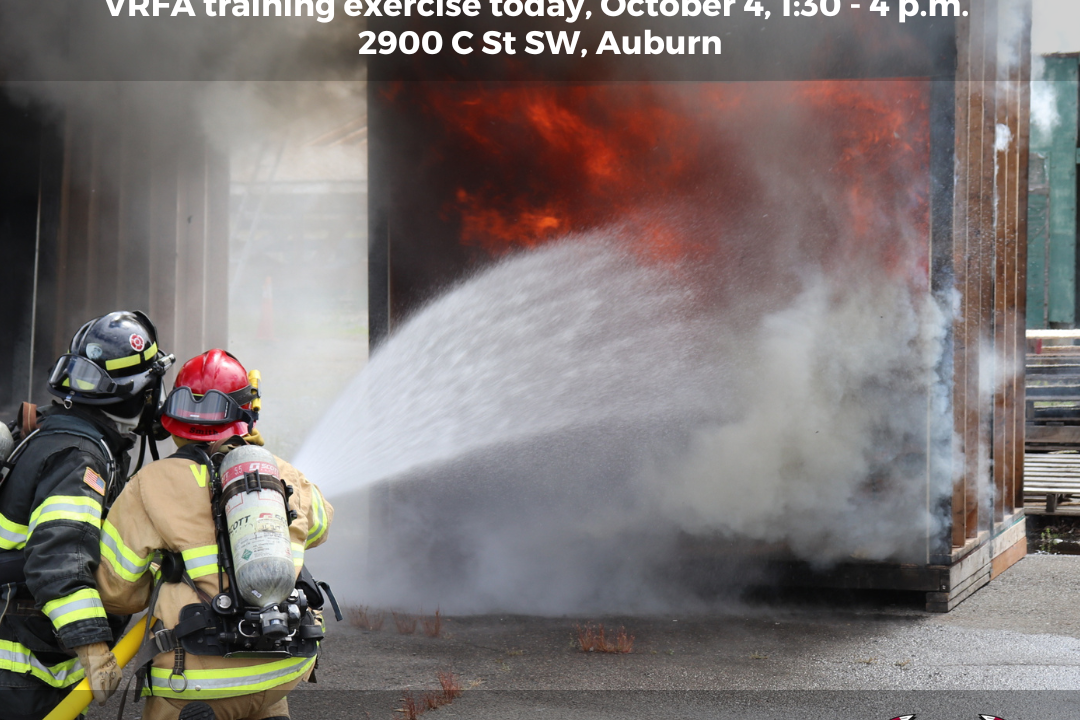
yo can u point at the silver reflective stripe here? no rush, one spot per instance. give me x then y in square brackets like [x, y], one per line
[11, 539]
[47, 509]
[58, 611]
[238, 683]
[110, 542]
[18, 659]
[198, 562]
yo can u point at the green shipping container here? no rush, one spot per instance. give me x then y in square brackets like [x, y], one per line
[1052, 221]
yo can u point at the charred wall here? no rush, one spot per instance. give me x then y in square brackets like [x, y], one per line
[28, 161]
[124, 205]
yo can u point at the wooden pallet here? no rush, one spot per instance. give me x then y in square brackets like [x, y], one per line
[1057, 437]
[1052, 393]
[1052, 475]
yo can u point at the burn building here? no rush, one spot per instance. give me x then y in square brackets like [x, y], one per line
[929, 120]
[130, 208]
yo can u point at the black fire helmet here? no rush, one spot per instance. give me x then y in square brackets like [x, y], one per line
[113, 360]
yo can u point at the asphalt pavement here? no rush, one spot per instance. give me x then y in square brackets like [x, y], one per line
[1012, 651]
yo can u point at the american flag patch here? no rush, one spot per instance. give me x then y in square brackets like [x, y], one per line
[94, 480]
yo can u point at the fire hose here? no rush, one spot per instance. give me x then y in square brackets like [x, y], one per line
[81, 696]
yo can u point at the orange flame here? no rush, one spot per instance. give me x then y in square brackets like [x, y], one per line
[685, 168]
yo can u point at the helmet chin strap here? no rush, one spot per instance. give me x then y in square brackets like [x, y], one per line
[144, 425]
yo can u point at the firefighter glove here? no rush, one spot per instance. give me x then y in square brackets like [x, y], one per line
[102, 670]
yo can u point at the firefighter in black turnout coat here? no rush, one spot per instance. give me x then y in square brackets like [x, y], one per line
[62, 480]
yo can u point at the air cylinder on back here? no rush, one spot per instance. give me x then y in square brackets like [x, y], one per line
[258, 525]
[7, 443]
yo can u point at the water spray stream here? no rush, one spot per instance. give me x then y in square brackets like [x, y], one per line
[540, 437]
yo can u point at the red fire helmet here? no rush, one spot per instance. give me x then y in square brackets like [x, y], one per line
[211, 399]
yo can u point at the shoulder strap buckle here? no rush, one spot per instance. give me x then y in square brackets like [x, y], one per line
[164, 640]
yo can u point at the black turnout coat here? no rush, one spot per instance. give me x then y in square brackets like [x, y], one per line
[52, 506]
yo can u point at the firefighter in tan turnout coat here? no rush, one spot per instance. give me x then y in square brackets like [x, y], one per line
[166, 511]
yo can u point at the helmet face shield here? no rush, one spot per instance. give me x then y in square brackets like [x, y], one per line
[82, 376]
[213, 408]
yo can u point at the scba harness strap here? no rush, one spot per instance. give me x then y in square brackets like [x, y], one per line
[61, 425]
[225, 626]
[200, 631]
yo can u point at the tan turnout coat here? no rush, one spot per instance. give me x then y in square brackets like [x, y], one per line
[166, 506]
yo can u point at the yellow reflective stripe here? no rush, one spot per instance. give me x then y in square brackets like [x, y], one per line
[125, 562]
[319, 527]
[298, 555]
[199, 471]
[79, 605]
[132, 359]
[123, 362]
[61, 507]
[17, 658]
[201, 561]
[228, 682]
[12, 534]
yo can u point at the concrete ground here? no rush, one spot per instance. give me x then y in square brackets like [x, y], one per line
[1012, 650]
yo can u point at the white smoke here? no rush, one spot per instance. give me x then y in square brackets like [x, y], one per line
[262, 133]
[1002, 137]
[1044, 113]
[83, 41]
[552, 427]
[1014, 18]
[843, 383]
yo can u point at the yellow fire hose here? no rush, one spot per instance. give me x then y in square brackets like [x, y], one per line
[81, 696]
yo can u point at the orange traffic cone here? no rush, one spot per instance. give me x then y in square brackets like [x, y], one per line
[266, 315]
